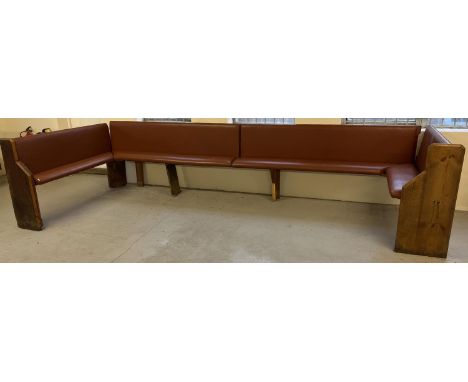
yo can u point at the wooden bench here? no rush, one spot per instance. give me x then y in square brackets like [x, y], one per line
[194, 144]
[42, 158]
[428, 200]
[368, 150]
[426, 181]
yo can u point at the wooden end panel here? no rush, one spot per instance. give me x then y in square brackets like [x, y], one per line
[428, 203]
[22, 189]
[116, 174]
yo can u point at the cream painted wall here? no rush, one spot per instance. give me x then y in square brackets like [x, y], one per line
[461, 137]
[211, 120]
[317, 121]
[11, 127]
[76, 122]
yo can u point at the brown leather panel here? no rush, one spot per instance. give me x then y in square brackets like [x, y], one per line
[319, 166]
[71, 168]
[430, 136]
[193, 139]
[398, 176]
[342, 143]
[48, 151]
[194, 160]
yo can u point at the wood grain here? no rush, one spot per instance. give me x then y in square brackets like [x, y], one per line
[140, 175]
[116, 174]
[22, 189]
[173, 179]
[275, 184]
[427, 203]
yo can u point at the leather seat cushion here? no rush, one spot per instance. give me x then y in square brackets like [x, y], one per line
[398, 176]
[71, 168]
[194, 160]
[313, 165]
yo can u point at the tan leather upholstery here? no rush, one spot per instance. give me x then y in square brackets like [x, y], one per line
[358, 146]
[333, 148]
[72, 168]
[195, 160]
[60, 153]
[311, 165]
[177, 143]
[398, 176]
[430, 136]
[376, 150]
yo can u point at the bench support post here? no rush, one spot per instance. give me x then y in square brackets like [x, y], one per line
[116, 174]
[173, 179]
[428, 202]
[140, 174]
[22, 189]
[275, 184]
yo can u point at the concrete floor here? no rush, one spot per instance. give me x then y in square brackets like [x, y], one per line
[85, 221]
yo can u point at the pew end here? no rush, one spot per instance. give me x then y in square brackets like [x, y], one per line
[427, 203]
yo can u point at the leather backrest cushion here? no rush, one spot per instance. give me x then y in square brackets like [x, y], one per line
[50, 150]
[176, 138]
[376, 144]
[430, 136]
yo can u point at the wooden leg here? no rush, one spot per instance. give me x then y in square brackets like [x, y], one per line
[140, 174]
[173, 179]
[428, 202]
[275, 184]
[116, 174]
[22, 189]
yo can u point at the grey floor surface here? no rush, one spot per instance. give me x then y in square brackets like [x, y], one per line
[85, 221]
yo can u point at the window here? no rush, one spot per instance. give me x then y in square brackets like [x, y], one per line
[167, 119]
[381, 121]
[273, 121]
[442, 123]
[447, 123]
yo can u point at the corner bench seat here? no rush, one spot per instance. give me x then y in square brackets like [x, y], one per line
[313, 165]
[47, 157]
[398, 176]
[427, 183]
[179, 159]
[71, 168]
